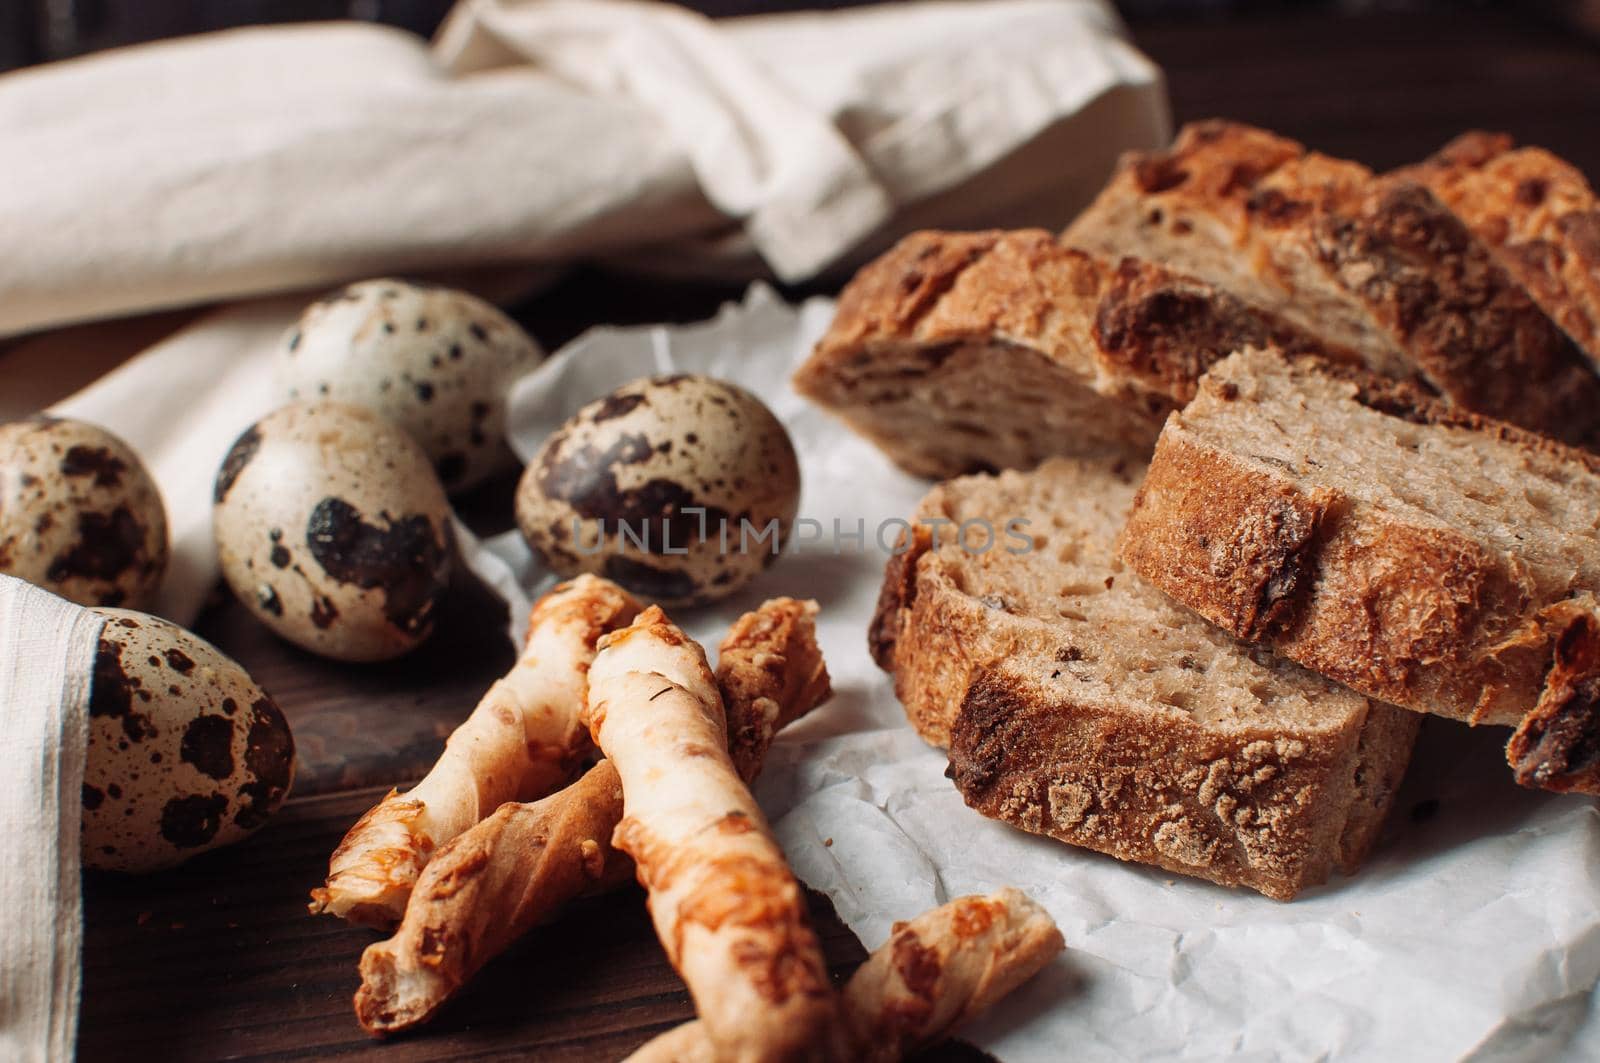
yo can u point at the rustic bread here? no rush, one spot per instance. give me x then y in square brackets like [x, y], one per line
[1421, 555]
[1079, 702]
[956, 352]
[1538, 214]
[1375, 265]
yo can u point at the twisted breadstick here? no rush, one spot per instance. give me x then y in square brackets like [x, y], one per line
[514, 870]
[727, 909]
[522, 741]
[933, 974]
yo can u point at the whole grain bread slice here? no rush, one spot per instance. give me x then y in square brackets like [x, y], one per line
[1538, 214]
[1421, 555]
[1371, 264]
[1079, 702]
[957, 352]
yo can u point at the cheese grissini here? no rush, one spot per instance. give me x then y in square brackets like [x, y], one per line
[523, 740]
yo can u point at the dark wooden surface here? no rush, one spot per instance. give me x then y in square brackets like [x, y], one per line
[218, 960]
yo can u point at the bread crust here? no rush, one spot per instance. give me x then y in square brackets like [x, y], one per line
[1271, 808]
[1417, 614]
[1221, 537]
[1537, 212]
[1372, 264]
[1260, 810]
[957, 352]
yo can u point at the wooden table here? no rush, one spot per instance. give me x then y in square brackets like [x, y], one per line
[219, 960]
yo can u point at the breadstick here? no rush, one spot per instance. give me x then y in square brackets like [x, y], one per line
[514, 870]
[941, 969]
[933, 974]
[770, 673]
[523, 740]
[725, 905]
[484, 890]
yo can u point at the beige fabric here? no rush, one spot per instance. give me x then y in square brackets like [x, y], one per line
[271, 159]
[47, 648]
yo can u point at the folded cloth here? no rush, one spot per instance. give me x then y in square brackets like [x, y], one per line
[47, 650]
[539, 131]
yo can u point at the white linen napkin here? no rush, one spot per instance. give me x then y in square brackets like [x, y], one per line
[538, 131]
[47, 650]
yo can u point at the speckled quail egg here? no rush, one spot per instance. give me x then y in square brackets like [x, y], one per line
[185, 753]
[434, 361]
[332, 529]
[667, 486]
[79, 515]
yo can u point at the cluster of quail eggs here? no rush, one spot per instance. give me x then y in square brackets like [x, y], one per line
[331, 514]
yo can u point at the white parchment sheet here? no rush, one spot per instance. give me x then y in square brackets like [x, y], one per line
[1473, 932]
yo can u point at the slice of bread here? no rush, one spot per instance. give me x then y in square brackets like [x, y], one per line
[1078, 702]
[1421, 555]
[956, 352]
[1539, 215]
[1374, 265]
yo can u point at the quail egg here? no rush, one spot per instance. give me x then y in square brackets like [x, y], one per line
[333, 530]
[185, 753]
[79, 515]
[680, 488]
[436, 362]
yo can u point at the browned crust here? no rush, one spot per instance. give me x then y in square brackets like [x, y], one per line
[1165, 329]
[1219, 534]
[1473, 332]
[1260, 810]
[1419, 616]
[1428, 288]
[897, 596]
[1557, 746]
[1127, 339]
[1537, 212]
[1256, 560]
[928, 639]
[891, 294]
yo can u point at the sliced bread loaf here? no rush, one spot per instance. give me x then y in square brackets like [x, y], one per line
[1375, 265]
[1539, 215]
[1421, 555]
[956, 352]
[1078, 702]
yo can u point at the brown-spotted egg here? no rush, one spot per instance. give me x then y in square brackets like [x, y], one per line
[672, 486]
[185, 752]
[434, 361]
[332, 529]
[79, 515]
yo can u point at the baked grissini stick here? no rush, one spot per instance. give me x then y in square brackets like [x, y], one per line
[933, 974]
[517, 868]
[523, 740]
[725, 905]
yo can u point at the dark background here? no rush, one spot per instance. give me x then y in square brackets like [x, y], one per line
[33, 31]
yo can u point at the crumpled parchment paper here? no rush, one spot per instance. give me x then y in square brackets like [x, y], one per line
[1473, 932]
